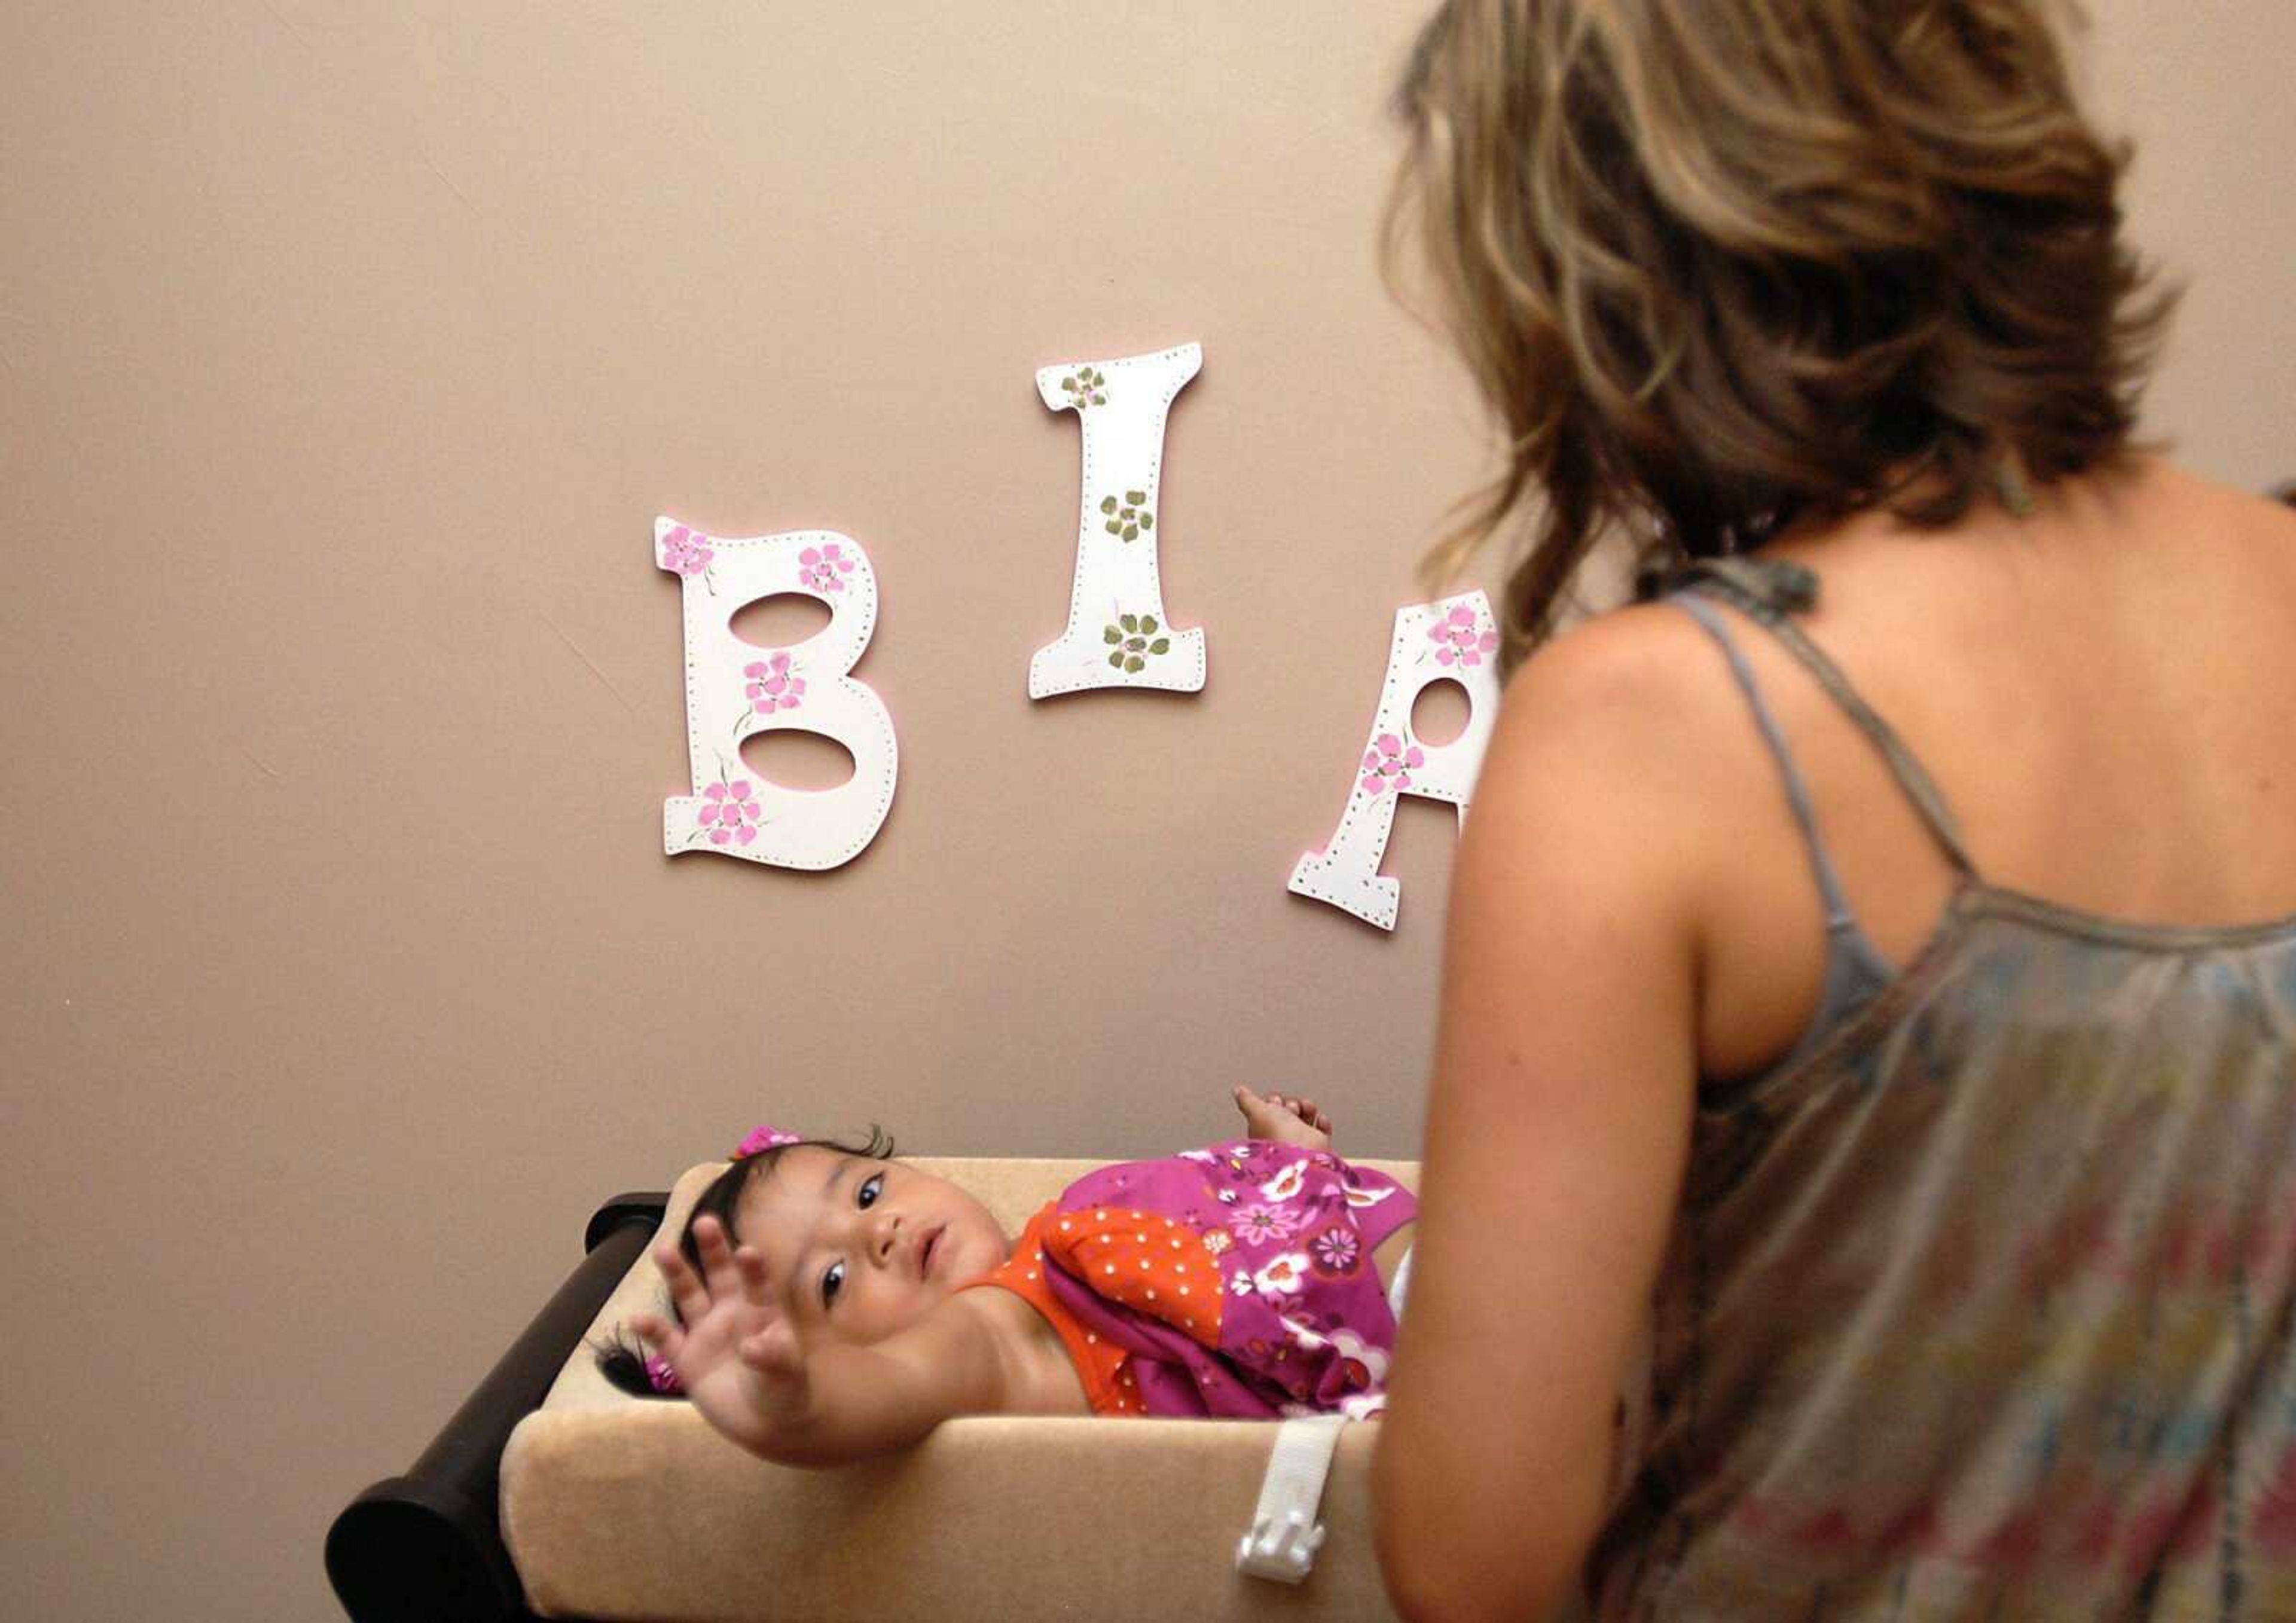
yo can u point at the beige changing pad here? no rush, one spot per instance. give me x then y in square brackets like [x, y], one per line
[616, 1507]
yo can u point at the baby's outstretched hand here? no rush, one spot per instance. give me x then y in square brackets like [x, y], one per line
[736, 1357]
[1285, 1118]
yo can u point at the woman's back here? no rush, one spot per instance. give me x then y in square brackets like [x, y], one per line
[1981, 1291]
[2105, 694]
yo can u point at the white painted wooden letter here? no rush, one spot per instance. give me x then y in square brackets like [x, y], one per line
[734, 689]
[1119, 635]
[1454, 640]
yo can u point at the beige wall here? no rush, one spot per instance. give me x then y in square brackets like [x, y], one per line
[347, 352]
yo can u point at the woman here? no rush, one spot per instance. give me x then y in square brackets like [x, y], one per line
[1872, 968]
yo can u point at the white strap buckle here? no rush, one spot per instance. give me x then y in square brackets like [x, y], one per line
[1285, 1553]
[1284, 1534]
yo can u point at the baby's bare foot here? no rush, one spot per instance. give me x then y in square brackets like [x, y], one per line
[1284, 1119]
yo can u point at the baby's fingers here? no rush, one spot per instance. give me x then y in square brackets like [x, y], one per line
[686, 1293]
[718, 1269]
[751, 1268]
[773, 1352]
[658, 1333]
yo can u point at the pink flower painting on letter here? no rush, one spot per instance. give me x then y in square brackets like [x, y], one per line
[685, 551]
[1460, 640]
[1387, 764]
[770, 686]
[732, 813]
[824, 564]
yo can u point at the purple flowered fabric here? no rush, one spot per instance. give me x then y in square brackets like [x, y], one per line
[1303, 1324]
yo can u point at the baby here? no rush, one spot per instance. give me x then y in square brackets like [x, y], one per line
[832, 1304]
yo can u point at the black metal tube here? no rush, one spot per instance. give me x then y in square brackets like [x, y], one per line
[427, 1546]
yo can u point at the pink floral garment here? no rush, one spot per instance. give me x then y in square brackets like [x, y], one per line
[1239, 1277]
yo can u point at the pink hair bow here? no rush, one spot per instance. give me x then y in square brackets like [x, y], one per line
[765, 1138]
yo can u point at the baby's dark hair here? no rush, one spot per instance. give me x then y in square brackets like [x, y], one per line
[622, 1357]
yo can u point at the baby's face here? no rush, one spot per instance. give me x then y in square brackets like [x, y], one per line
[857, 1248]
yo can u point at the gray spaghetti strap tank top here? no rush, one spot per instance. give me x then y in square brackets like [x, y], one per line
[1978, 1304]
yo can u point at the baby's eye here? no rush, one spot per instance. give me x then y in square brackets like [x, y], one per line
[832, 1283]
[868, 1192]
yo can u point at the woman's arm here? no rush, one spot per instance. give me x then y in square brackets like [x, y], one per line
[1558, 1125]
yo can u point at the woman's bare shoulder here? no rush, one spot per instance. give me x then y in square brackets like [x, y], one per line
[1624, 737]
[1642, 657]
[1640, 690]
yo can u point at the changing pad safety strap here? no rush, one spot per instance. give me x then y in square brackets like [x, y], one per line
[1285, 1535]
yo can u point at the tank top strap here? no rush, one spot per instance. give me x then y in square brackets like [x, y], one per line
[1798, 798]
[1769, 590]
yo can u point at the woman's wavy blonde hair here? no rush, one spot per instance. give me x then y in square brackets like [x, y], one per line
[1718, 264]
